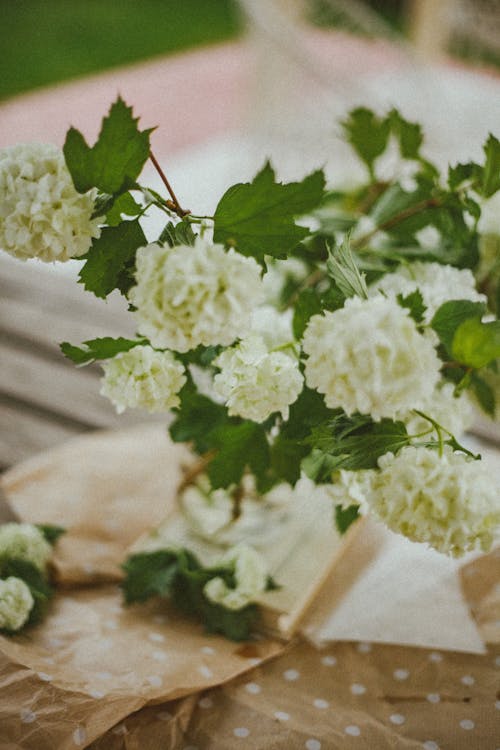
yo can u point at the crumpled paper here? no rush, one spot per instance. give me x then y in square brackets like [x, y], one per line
[92, 662]
[108, 488]
[100, 676]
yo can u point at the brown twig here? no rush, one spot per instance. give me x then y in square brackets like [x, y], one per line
[173, 204]
[389, 223]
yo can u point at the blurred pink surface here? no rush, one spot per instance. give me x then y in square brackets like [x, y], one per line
[193, 95]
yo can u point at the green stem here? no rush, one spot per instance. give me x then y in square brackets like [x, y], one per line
[394, 220]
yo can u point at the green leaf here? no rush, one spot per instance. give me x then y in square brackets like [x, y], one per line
[355, 442]
[50, 532]
[149, 574]
[115, 161]
[239, 446]
[491, 169]
[178, 234]
[257, 218]
[414, 302]
[286, 457]
[344, 517]
[450, 315]
[484, 394]
[308, 304]
[195, 419]
[460, 173]
[342, 268]
[409, 135]
[476, 344]
[110, 260]
[124, 204]
[367, 134]
[103, 348]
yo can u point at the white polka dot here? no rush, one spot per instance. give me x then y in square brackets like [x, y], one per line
[205, 702]
[159, 656]
[27, 716]
[328, 661]
[313, 744]
[467, 724]
[155, 680]
[430, 745]
[164, 715]
[80, 736]
[156, 637]
[49, 660]
[497, 705]
[497, 661]
[111, 624]
[353, 730]
[241, 732]
[433, 697]
[121, 729]
[397, 719]
[104, 643]
[97, 694]
[435, 656]
[45, 677]
[281, 716]
[207, 650]
[320, 703]
[467, 679]
[88, 568]
[103, 675]
[357, 689]
[401, 674]
[205, 671]
[253, 688]
[291, 675]
[253, 661]
[364, 647]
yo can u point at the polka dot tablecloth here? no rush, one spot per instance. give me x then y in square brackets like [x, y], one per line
[351, 695]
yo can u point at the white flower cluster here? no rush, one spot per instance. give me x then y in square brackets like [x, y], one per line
[143, 378]
[369, 357]
[448, 500]
[437, 283]
[23, 541]
[256, 382]
[489, 221]
[250, 573]
[16, 603]
[186, 296]
[41, 214]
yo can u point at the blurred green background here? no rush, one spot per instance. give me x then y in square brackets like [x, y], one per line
[44, 41]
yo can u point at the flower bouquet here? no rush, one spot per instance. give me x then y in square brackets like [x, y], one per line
[341, 333]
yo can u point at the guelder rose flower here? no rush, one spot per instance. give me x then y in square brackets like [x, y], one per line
[350, 488]
[23, 541]
[186, 296]
[143, 378]
[369, 357]
[16, 603]
[41, 214]
[256, 382]
[275, 327]
[250, 575]
[437, 283]
[448, 501]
